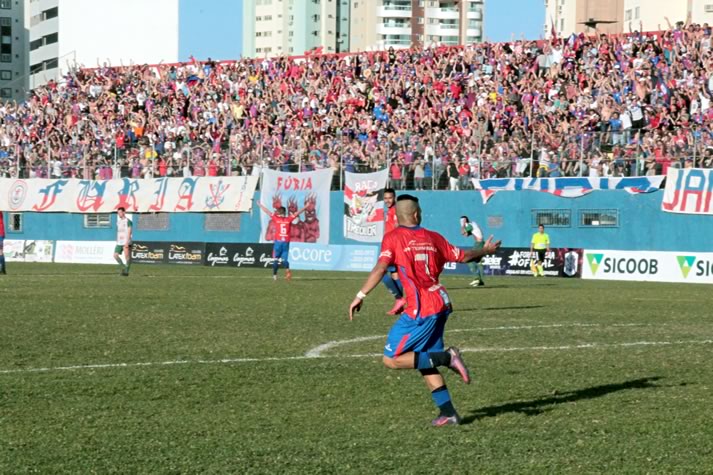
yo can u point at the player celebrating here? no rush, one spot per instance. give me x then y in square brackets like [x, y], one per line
[471, 228]
[391, 278]
[281, 247]
[124, 228]
[3, 271]
[416, 339]
[541, 244]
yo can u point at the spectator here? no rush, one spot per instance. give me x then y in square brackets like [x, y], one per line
[578, 98]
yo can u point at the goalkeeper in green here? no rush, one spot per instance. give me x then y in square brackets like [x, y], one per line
[470, 228]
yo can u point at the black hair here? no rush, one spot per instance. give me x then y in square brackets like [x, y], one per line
[121, 209]
[407, 198]
[282, 210]
[466, 218]
[390, 190]
[543, 226]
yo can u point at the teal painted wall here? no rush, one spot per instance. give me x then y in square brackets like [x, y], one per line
[642, 225]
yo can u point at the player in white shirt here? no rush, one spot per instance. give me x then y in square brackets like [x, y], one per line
[124, 231]
[471, 228]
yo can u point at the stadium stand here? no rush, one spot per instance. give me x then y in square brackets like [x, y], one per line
[583, 105]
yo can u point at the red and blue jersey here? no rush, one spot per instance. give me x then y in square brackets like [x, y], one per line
[391, 221]
[283, 226]
[419, 256]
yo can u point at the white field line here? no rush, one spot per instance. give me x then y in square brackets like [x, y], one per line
[317, 351]
[368, 355]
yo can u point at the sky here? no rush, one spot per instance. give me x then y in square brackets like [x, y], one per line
[210, 28]
[505, 17]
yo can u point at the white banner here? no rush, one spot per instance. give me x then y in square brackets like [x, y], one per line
[567, 187]
[85, 252]
[174, 195]
[295, 191]
[648, 266]
[688, 191]
[364, 205]
[28, 251]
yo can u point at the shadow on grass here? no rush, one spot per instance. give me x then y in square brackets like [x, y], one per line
[540, 405]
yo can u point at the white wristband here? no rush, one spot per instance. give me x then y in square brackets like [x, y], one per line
[361, 295]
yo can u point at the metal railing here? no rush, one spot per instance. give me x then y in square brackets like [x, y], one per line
[412, 165]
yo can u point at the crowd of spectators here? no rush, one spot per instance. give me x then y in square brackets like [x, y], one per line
[591, 105]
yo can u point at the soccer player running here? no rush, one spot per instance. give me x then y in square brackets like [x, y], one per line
[541, 244]
[124, 231]
[416, 339]
[391, 278]
[3, 270]
[281, 246]
[471, 228]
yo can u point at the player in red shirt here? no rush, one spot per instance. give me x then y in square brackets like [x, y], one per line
[2, 242]
[281, 248]
[391, 278]
[416, 339]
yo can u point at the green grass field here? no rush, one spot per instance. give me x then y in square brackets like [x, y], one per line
[191, 369]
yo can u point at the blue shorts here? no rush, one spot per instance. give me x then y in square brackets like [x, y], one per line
[2, 241]
[421, 334]
[391, 269]
[281, 250]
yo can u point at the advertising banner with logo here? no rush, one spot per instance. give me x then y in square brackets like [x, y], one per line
[561, 262]
[567, 187]
[334, 257]
[238, 255]
[649, 266]
[689, 190]
[14, 250]
[364, 205]
[84, 252]
[185, 253]
[175, 195]
[295, 191]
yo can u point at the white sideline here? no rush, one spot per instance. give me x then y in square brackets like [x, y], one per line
[368, 355]
[317, 351]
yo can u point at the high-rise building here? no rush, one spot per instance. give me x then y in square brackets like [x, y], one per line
[569, 16]
[652, 14]
[68, 33]
[13, 54]
[403, 23]
[293, 27]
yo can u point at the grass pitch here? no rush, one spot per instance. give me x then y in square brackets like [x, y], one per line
[188, 370]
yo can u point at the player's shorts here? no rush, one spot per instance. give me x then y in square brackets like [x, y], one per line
[391, 269]
[421, 334]
[281, 250]
[118, 249]
[2, 242]
[541, 253]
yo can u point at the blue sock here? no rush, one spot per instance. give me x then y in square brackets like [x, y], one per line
[275, 265]
[399, 286]
[391, 285]
[2, 262]
[442, 399]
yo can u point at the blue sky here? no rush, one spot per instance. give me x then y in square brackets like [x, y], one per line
[210, 28]
[504, 17]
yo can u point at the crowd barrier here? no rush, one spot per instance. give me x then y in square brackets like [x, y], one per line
[644, 266]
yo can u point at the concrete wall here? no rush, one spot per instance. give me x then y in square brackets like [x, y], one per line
[642, 225]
